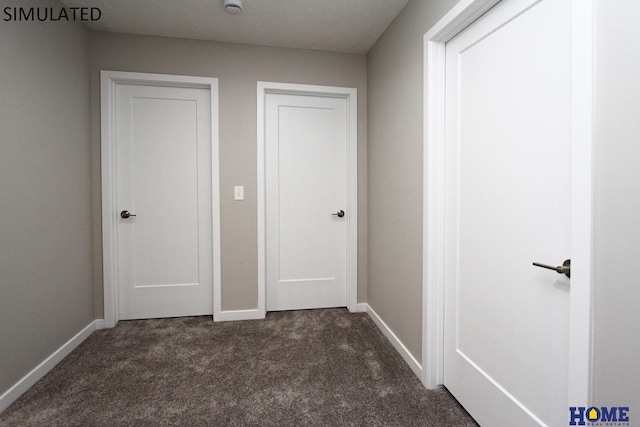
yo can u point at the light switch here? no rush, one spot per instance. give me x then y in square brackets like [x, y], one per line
[238, 192]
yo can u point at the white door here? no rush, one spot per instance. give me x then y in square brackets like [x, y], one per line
[306, 201]
[508, 169]
[163, 180]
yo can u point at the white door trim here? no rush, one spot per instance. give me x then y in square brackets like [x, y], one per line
[582, 187]
[108, 82]
[351, 96]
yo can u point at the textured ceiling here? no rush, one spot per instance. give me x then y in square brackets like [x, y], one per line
[335, 25]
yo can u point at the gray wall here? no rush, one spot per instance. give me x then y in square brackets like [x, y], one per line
[46, 286]
[617, 343]
[395, 170]
[238, 68]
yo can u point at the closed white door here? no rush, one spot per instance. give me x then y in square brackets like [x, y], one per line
[163, 175]
[508, 195]
[306, 201]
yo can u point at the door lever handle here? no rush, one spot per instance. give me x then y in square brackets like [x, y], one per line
[339, 214]
[126, 214]
[565, 268]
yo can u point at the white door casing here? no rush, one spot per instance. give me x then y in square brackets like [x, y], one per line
[160, 162]
[579, 120]
[307, 170]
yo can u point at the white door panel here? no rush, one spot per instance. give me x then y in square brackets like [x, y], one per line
[306, 181]
[164, 177]
[507, 205]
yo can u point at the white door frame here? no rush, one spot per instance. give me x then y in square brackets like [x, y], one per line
[108, 82]
[351, 96]
[582, 189]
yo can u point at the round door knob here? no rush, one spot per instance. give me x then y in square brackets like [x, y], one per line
[339, 214]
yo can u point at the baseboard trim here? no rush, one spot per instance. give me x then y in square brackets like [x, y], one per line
[415, 366]
[49, 363]
[233, 315]
[361, 307]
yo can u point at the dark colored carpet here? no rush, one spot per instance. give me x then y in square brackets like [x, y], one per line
[298, 368]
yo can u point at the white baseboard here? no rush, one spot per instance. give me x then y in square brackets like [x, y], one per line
[241, 315]
[49, 363]
[415, 366]
[361, 307]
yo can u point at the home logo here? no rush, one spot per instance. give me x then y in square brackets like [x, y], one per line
[603, 416]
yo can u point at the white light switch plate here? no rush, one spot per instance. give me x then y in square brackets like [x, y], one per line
[238, 192]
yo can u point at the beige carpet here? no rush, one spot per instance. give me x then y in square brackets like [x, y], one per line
[298, 368]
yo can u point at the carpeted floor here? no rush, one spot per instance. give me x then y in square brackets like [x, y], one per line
[298, 368]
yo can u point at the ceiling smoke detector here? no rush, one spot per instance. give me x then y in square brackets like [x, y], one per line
[233, 7]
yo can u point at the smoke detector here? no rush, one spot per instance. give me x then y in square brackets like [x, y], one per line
[233, 7]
